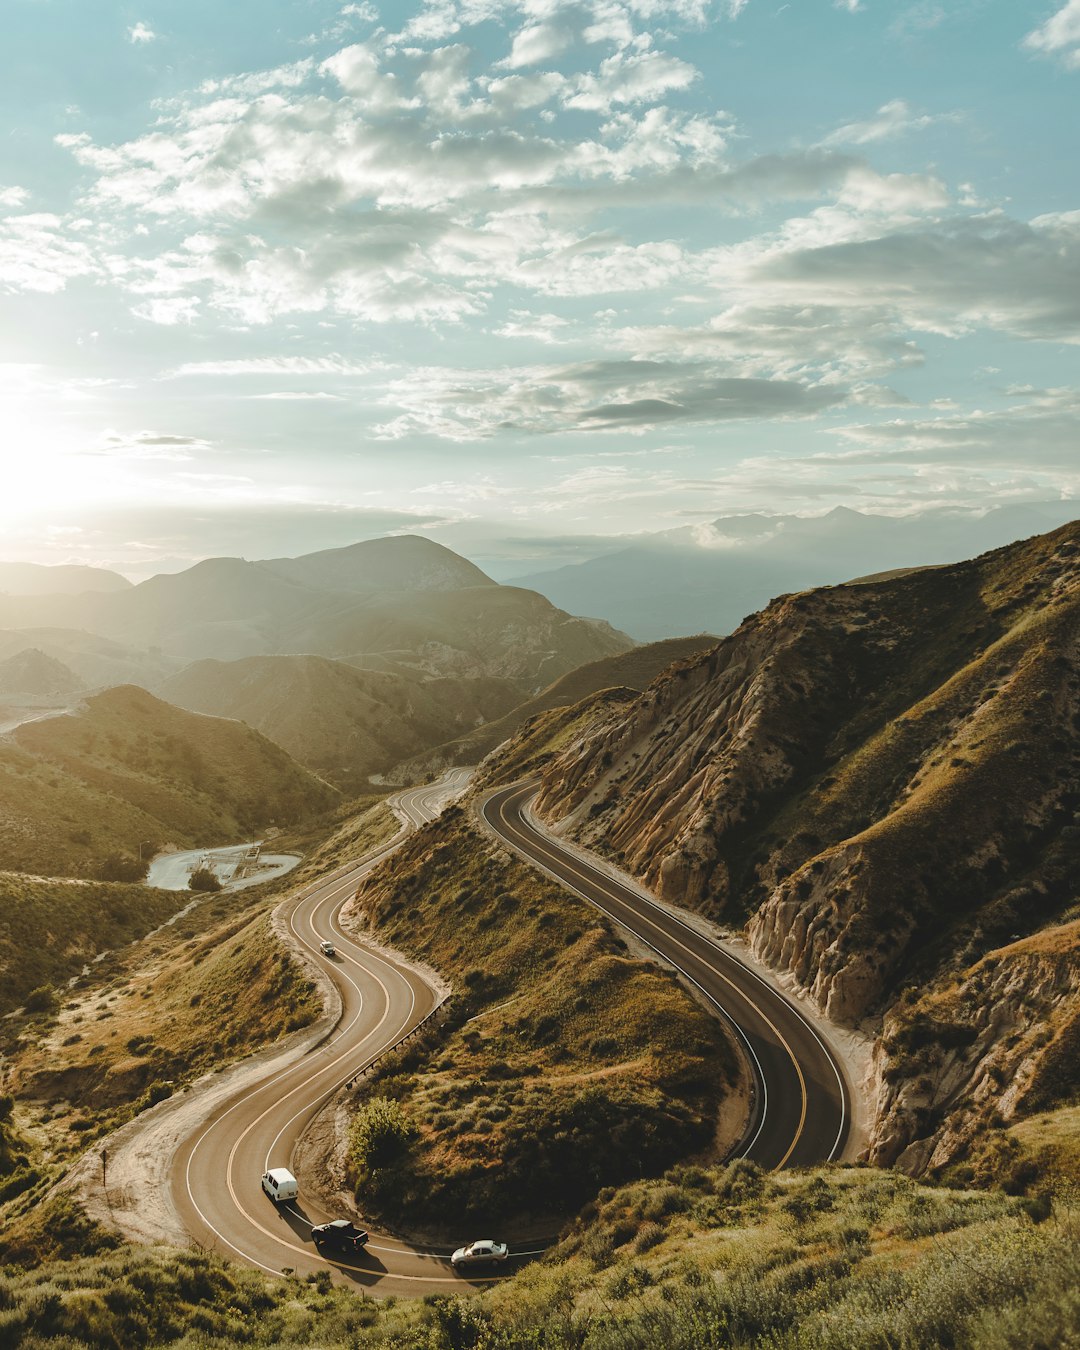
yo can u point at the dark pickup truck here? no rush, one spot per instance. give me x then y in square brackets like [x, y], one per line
[339, 1236]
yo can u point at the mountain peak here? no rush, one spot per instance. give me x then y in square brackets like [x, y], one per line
[402, 562]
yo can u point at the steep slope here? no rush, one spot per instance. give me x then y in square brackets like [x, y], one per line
[344, 723]
[869, 768]
[127, 770]
[706, 577]
[629, 670]
[884, 780]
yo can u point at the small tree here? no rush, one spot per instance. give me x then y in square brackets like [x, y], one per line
[380, 1134]
[204, 879]
[122, 867]
[43, 999]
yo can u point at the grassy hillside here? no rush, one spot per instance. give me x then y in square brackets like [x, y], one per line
[633, 670]
[50, 929]
[127, 769]
[829, 1260]
[342, 722]
[149, 1018]
[568, 1062]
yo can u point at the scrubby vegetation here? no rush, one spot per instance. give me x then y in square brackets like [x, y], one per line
[195, 996]
[701, 1259]
[50, 929]
[567, 1062]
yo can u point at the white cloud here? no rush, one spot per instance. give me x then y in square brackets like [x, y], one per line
[38, 254]
[274, 366]
[141, 33]
[168, 313]
[895, 118]
[642, 77]
[1059, 35]
[627, 396]
[13, 196]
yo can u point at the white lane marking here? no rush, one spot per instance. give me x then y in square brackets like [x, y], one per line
[724, 1014]
[409, 803]
[826, 1050]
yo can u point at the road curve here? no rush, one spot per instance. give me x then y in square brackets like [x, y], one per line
[217, 1169]
[801, 1112]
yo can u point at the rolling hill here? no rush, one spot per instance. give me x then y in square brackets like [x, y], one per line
[343, 722]
[629, 670]
[127, 770]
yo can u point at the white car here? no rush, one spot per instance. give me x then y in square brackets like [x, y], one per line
[327, 948]
[481, 1253]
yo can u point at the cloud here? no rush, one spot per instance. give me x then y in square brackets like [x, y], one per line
[140, 33]
[895, 118]
[318, 395]
[1038, 431]
[147, 445]
[988, 271]
[37, 253]
[13, 196]
[1059, 35]
[642, 77]
[274, 366]
[634, 396]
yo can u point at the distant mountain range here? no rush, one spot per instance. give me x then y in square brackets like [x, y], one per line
[708, 577]
[18, 578]
[406, 599]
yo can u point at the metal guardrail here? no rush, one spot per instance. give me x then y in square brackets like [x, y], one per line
[390, 1049]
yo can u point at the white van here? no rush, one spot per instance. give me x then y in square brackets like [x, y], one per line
[279, 1184]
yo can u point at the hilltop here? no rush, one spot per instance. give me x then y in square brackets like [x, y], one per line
[71, 579]
[126, 770]
[634, 670]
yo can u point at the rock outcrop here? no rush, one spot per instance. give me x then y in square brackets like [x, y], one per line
[881, 778]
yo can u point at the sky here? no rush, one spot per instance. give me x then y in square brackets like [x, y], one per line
[527, 275]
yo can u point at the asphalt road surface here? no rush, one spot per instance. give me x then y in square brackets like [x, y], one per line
[801, 1112]
[217, 1170]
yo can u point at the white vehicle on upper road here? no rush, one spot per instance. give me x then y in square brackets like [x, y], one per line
[327, 948]
[481, 1253]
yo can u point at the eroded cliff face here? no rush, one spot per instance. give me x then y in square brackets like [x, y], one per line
[997, 1043]
[880, 779]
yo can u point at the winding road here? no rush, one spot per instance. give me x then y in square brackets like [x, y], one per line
[800, 1112]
